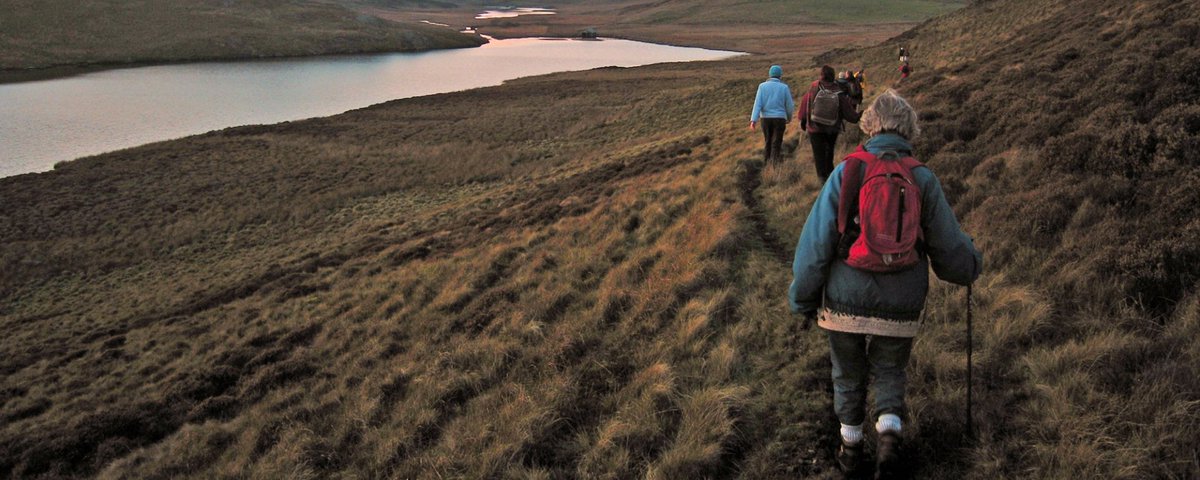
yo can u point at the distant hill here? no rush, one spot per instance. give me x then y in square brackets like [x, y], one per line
[784, 11]
[48, 33]
[712, 11]
[775, 26]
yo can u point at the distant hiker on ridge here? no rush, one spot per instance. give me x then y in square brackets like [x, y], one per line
[774, 105]
[822, 111]
[905, 70]
[903, 55]
[861, 271]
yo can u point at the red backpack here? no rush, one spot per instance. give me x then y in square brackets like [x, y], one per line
[879, 212]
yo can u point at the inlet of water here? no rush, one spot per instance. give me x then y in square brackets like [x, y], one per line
[45, 122]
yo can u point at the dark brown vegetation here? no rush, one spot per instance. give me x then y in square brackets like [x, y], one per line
[1066, 135]
[36, 34]
[546, 274]
[582, 275]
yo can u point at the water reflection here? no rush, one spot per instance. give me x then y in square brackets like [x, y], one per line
[49, 121]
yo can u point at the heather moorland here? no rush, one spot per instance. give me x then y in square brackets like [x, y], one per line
[583, 275]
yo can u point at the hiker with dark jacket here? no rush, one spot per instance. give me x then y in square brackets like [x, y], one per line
[822, 118]
[851, 85]
[870, 317]
[773, 104]
[860, 77]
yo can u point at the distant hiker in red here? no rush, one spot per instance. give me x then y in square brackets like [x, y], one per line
[861, 271]
[905, 70]
[822, 111]
[773, 105]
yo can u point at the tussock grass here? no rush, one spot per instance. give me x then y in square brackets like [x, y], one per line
[1087, 284]
[573, 315]
[585, 277]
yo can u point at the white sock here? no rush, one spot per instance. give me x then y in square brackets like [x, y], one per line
[851, 434]
[888, 422]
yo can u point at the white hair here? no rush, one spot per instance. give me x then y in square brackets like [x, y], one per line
[890, 113]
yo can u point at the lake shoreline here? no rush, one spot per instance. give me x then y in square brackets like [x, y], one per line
[11, 76]
[31, 155]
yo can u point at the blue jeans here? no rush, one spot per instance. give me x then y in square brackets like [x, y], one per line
[855, 356]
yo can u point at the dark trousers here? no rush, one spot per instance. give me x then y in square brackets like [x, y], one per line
[823, 145]
[857, 357]
[773, 138]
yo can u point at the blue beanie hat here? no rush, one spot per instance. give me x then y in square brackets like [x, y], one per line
[776, 71]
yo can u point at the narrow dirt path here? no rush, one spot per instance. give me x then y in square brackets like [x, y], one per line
[788, 424]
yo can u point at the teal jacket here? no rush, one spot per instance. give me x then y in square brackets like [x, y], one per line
[773, 100]
[818, 275]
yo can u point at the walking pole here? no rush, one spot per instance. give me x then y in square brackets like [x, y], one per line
[970, 341]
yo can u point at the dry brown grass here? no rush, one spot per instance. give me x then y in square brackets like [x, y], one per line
[1074, 190]
[584, 278]
[569, 314]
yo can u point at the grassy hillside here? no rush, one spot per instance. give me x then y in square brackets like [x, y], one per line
[559, 295]
[1066, 138]
[49, 33]
[583, 275]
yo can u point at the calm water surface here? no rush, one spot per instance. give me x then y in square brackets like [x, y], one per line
[45, 122]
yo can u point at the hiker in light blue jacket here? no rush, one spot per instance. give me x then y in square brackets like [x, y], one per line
[871, 318]
[774, 106]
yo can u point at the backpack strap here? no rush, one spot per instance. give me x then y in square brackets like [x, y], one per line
[812, 98]
[851, 185]
[911, 163]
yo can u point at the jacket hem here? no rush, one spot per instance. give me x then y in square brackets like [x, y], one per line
[894, 316]
[841, 322]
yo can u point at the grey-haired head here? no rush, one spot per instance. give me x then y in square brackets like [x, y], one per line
[890, 113]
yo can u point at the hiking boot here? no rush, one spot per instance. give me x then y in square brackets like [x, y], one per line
[849, 459]
[887, 456]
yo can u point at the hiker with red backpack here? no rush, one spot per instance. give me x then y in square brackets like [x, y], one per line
[861, 271]
[822, 111]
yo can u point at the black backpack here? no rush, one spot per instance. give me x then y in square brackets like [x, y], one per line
[826, 107]
[854, 89]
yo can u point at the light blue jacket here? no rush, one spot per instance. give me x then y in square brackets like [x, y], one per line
[774, 100]
[818, 275]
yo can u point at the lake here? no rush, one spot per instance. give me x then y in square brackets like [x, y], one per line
[45, 122]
